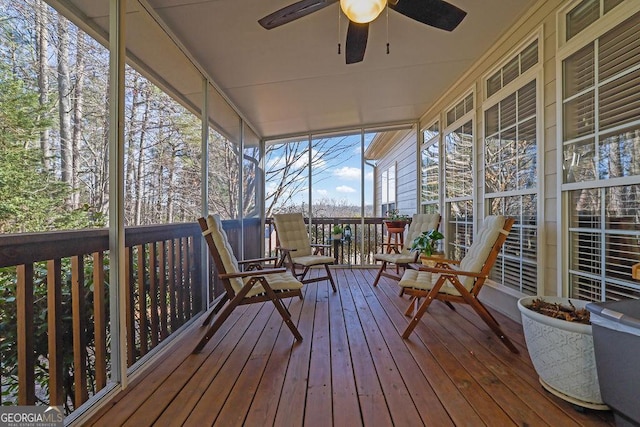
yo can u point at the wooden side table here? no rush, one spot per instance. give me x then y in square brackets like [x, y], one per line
[398, 239]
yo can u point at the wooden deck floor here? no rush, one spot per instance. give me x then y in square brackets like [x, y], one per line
[352, 368]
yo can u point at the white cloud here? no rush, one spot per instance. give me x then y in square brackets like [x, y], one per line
[368, 176]
[345, 189]
[347, 172]
[322, 193]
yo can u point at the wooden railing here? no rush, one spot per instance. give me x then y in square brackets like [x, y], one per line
[345, 251]
[61, 329]
[54, 311]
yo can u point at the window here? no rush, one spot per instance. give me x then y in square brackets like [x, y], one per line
[388, 190]
[586, 13]
[601, 172]
[458, 147]
[513, 69]
[430, 170]
[511, 184]
[461, 108]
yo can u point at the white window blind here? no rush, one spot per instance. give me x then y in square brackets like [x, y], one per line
[430, 170]
[458, 146]
[460, 109]
[586, 13]
[511, 167]
[601, 130]
[513, 69]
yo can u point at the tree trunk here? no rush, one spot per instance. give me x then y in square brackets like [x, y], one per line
[42, 44]
[77, 117]
[130, 170]
[64, 94]
[102, 166]
[141, 161]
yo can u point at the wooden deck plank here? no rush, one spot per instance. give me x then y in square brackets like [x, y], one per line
[451, 398]
[168, 374]
[352, 368]
[237, 405]
[399, 399]
[468, 386]
[189, 376]
[346, 409]
[373, 406]
[202, 398]
[473, 390]
[264, 405]
[424, 397]
[290, 411]
[319, 390]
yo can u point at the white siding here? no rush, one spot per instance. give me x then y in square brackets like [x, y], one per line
[404, 154]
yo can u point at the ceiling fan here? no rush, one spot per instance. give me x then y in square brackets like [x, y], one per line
[436, 13]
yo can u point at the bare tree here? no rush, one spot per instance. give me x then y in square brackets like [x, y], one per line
[42, 45]
[64, 103]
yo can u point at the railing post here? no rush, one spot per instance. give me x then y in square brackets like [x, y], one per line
[142, 299]
[54, 331]
[79, 330]
[100, 320]
[26, 362]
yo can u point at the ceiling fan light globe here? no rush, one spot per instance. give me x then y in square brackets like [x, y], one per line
[362, 11]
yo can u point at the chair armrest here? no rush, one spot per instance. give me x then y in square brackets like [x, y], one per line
[252, 273]
[448, 271]
[442, 260]
[319, 248]
[257, 260]
[258, 263]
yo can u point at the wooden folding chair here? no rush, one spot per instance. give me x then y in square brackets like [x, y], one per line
[459, 281]
[244, 287]
[296, 250]
[402, 258]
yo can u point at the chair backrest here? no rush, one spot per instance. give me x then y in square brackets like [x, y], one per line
[292, 233]
[485, 248]
[220, 248]
[419, 224]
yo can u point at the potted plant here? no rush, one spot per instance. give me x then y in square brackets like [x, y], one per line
[395, 220]
[561, 348]
[427, 244]
[336, 232]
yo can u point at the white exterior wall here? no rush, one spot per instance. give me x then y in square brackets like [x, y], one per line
[404, 154]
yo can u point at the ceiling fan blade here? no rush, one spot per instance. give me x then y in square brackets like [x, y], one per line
[436, 13]
[293, 12]
[357, 35]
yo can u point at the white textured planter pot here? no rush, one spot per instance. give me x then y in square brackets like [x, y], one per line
[562, 354]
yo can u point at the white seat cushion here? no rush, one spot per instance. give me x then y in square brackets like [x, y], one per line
[404, 257]
[278, 282]
[292, 233]
[310, 260]
[424, 280]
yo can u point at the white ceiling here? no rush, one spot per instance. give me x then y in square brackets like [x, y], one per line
[291, 80]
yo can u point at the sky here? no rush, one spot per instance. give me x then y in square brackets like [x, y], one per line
[335, 177]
